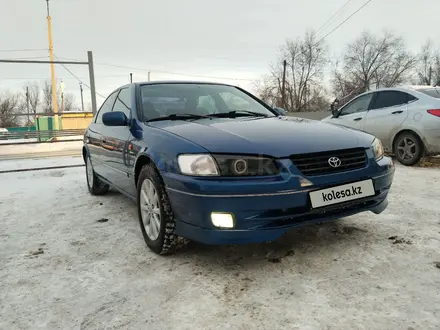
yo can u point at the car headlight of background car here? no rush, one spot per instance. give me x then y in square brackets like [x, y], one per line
[226, 165]
[377, 148]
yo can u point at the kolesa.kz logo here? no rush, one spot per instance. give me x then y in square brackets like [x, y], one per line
[332, 195]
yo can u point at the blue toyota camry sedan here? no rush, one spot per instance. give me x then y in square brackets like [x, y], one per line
[212, 163]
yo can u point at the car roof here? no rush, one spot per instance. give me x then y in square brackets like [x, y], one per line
[161, 82]
[410, 88]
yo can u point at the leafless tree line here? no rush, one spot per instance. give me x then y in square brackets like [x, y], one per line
[32, 99]
[369, 62]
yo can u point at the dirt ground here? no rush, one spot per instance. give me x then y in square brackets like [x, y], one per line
[72, 261]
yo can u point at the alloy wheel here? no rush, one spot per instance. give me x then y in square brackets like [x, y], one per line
[89, 172]
[407, 148]
[150, 209]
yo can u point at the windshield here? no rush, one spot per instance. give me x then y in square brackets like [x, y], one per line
[433, 92]
[162, 100]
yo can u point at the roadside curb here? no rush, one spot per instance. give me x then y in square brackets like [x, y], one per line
[41, 155]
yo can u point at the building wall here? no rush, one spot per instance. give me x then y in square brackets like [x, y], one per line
[76, 121]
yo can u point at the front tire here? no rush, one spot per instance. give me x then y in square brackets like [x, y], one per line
[155, 213]
[94, 184]
[408, 149]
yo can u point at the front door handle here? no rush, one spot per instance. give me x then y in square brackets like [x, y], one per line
[396, 112]
[357, 119]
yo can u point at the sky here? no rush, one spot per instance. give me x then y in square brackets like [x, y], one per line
[231, 41]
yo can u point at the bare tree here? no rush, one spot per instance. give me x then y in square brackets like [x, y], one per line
[428, 66]
[10, 107]
[269, 90]
[69, 99]
[306, 61]
[372, 61]
[31, 97]
[47, 100]
[69, 102]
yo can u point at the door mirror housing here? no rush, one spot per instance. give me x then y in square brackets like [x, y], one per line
[280, 111]
[335, 113]
[114, 118]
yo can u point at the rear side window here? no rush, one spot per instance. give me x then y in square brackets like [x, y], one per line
[433, 92]
[387, 99]
[107, 106]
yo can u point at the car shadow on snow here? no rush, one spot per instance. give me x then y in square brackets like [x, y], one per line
[324, 239]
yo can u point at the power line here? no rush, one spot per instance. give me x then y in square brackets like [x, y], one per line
[48, 78]
[162, 71]
[28, 58]
[333, 16]
[75, 76]
[23, 50]
[343, 22]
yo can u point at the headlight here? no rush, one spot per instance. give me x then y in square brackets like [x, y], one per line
[377, 148]
[232, 165]
[198, 165]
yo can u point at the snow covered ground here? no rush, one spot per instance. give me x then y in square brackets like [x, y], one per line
[72, 261]
[40, 162]
[27, 150]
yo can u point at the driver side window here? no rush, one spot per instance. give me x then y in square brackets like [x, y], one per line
[107, 106]
[360, 104]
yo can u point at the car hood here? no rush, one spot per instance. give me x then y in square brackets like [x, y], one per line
[275, 136]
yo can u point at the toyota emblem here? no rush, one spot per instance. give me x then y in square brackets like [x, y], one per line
[334, 162]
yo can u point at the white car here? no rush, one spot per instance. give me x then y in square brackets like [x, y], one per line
[406, 120]
[4, 133]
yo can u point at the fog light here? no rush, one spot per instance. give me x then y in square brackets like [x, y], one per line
[222, 220]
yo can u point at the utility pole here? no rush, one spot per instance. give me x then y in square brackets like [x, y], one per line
[62, 96]
[149, 75]
[82, 97]
[131, 78]
[92, 80]
[283, 88]
[27, 105]
[52, 66]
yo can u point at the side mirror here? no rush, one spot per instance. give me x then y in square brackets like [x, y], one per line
[335, 113]
[280, 111]
[114, 118]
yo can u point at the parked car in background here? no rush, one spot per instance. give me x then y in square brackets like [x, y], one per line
[219, 166]
[406, 120]
[4, 134]
[280, 111]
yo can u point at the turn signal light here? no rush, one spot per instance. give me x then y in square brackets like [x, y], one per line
[435, 112]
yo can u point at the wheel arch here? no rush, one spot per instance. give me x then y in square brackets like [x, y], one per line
[85, 151]
[141, 161]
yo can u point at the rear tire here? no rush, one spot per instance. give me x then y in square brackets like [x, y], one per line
[155, 214]
[94, 184]
[408, 148]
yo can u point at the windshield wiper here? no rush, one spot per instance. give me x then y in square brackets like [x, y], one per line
[237, 113]
[180, 116]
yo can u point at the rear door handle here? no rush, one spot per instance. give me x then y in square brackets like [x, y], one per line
[396, 112]
[357, 119]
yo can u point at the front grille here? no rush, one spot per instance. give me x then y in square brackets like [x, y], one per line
[318, 163]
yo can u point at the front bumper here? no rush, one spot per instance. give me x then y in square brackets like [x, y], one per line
[264, 209]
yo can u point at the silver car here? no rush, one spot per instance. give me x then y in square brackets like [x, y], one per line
[406, 120]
